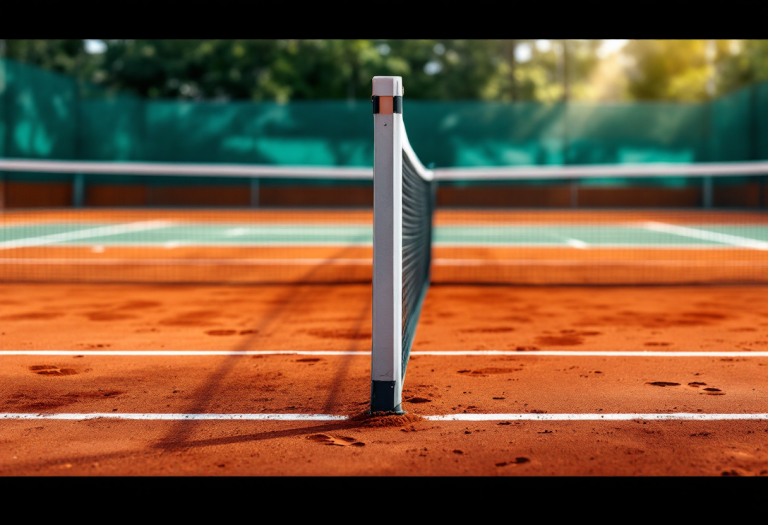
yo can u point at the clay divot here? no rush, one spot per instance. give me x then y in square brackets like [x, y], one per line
[138, 305]
[32, 316]
[567, 340]
[94, 394]
[516, 461]
[50, 370]
[384, 419]
[108, 316]
[340, 441]
[488, 371]
[221, 332]
[706, 315]
[196, 318]
[339, 334]
[499, 330]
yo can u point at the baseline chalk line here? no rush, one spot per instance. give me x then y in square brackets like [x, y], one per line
[679, 416]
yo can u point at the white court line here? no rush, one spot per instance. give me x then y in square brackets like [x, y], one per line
[223, 244]
[236, 232]
[551, 353]
[177, 417]
[696, 233]
[575, 243]
[101, 231]
[679, 416]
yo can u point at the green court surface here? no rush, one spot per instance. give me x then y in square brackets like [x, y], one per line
[166, 233]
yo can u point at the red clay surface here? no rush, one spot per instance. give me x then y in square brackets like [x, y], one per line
[85, 317]
[326, 264]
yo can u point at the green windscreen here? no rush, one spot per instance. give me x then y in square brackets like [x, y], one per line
[44, 115]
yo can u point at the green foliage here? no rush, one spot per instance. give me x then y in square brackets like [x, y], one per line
[693, 70]
[62, 56]
[283, 70]
[741, 63]
[668, 69]
[443, 69]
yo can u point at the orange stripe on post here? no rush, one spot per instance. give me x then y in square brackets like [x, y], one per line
[386, 105]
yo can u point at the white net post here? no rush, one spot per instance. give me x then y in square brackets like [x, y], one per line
[386, 354]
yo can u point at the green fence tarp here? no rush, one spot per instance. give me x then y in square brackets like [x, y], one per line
[45, 115]
[39, 114]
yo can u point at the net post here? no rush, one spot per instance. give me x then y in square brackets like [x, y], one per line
[706, 191]
[254, 192]
[574, 193]
[386, 351]
[78, 190]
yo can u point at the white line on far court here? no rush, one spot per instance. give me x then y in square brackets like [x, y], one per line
[680, 416]
[101, 231]
[696, 233]
[178, 417]
[552, 353]
[576, 243]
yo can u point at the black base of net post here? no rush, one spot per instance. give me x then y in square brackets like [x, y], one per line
[384, 398]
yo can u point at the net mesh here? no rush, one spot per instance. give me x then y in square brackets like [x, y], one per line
[418, 210]
[215, 229]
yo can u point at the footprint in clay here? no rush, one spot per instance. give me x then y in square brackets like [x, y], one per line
[49, 370]
[340, 441]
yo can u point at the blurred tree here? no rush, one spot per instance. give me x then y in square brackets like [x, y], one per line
[62, 56]
[740, 63]
[188, 69]
[693, 70]
[283, 70]
[540, 73]
[668, 69]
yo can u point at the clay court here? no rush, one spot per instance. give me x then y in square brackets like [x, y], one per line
[186, 353]
[288, 284]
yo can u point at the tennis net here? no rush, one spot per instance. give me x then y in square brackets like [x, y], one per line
[623, 224]
[138, 222]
